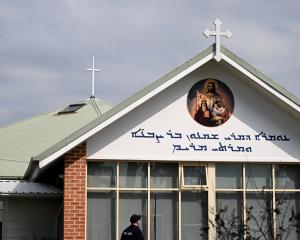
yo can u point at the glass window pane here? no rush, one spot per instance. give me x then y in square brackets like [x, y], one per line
[133, 175]
[101, 216]
[229, 215]
[164, 175]
[194, 175]
[164, 220]
[133, 203]
[258, 176]
[228, 175]
[194, 215]
[287, 176]
[101, 174]
[287, 217]
[260, 215]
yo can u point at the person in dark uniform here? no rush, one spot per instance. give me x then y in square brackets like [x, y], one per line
[133, 232]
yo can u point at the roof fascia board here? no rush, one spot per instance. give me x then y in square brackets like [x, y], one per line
[56, 147]
[259, 75]
[145, 94]
[44, 162]
[261, 83]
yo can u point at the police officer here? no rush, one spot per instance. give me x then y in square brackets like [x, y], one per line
[133, 232]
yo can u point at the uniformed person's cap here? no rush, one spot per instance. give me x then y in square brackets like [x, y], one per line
[134, 218]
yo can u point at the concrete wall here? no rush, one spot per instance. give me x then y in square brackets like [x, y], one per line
[26, 218]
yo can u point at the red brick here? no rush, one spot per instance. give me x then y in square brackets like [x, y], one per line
[75, 193]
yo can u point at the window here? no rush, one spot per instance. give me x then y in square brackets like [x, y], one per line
[194, 176]
[259, 211]
[133, 175]
[258, 176]
[116, 190]
[102, 174]
[71, 108]
[181, 201]
[229, 206]
[194, 215]
[287, 177]
[229, 175]
[261, 196]
[164, 175]
[287, 203]
[101, 207]
[133, 202]
[164, 215]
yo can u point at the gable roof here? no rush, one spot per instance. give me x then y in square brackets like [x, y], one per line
[132, 102]
[20, 142]
[83, 131]
[265, 79]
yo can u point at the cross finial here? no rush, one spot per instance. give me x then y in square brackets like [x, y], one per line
[93, 69]
[217, 33]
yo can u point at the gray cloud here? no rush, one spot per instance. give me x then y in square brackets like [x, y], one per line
[45, 46]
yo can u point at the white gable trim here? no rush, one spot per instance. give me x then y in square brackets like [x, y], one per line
[154, 92]
[261, 83]
[129, 108]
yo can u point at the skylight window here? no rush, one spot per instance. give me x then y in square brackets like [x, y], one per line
[71, 108]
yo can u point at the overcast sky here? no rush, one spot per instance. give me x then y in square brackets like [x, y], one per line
[45, 46]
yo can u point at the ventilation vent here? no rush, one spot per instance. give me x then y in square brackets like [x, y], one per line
[71, 108]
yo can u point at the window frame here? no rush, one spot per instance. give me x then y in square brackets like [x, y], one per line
[201, 187]
[209, 187]
[272, 190]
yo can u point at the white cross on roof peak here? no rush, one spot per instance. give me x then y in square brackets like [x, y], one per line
[217, 33]
[93, 69]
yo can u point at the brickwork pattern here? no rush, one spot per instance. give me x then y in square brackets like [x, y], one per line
[75, 193]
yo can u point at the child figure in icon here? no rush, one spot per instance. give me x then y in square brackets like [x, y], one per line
[210, 102]
[219, 112]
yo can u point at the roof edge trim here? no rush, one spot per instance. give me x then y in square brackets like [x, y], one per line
[151, 90]
[124, 107]
[258, 74]
[262, 83]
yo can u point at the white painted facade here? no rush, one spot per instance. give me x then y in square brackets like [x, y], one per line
[166, 113]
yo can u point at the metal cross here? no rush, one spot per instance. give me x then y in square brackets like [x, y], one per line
[93, 73]
[217, 33]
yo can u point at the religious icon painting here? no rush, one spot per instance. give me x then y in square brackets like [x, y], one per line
[210, 102]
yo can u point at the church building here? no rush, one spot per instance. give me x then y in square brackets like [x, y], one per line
[213, 142]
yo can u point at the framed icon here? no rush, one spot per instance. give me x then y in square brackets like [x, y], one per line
[210, 102]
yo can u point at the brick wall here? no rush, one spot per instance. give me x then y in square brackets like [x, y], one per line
[75, 193]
